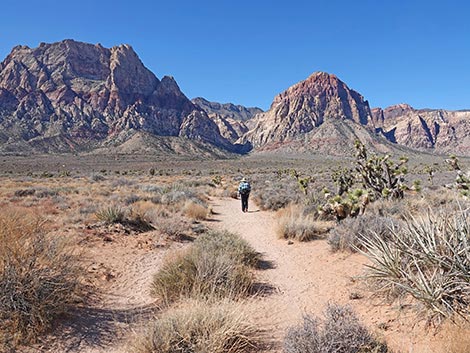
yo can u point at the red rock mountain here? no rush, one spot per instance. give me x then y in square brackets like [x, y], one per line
[320, 112]
[431, 130]
[74, 96]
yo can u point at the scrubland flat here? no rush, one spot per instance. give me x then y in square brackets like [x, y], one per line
[156, 245]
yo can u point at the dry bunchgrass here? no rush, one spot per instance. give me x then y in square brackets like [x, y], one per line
[428, 259]
[216, 265]
[194, 210]
[39, 278]
[340, 331]
[199, 327]
[345, 236]
[294, 224]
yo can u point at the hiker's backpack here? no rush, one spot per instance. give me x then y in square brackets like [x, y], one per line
[244, 188]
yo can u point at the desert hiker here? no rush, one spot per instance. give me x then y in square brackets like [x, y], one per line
[244, 191]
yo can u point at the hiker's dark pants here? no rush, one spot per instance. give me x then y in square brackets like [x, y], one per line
[244, 198]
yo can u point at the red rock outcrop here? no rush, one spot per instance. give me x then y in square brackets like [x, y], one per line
[304, 107]
[431, 130]
[88, 94]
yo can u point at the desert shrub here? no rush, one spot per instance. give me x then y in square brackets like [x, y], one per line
[25, 192]
[39, 279]
[45, 192]
[209, 268]
[97, 177]
[294, 224]
[199, 327]
[427, 259]
[175, 227]
[223, 242]
[176, 195]
[138, 216]
[130, 199]
[345, 236]
[120, 182]
[278, 194]
[152, 189]
[110, 214]
[340, 331]
[194, 210]
[393, 208]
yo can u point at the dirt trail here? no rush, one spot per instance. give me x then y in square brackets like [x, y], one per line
[306, 276]
[122, 270]
[302, 278]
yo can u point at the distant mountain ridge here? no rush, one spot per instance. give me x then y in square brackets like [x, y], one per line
[75, 97]
[432, 130]
[82, 95]
[227, 110]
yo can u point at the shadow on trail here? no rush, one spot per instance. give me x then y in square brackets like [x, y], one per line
[265, 265]
[97, 327]
[263, 289]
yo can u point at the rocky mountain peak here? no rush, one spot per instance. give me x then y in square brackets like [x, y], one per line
[307, 105]
[89, 93]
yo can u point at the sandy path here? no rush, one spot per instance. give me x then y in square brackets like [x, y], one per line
[300, 278]
[305, 277]
[122, 271]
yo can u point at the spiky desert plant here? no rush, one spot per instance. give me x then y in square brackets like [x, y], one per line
[344, 179]
[110, 214]
[381, 175]
[428, 258]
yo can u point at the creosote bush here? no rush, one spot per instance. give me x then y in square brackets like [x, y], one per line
[428, 259]
[39, 279]
[198, 327]
[216, 265]
[340, 331]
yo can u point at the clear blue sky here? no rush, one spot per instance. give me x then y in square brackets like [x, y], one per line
[247, 51]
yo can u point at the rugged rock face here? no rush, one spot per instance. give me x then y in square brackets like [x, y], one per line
[233, 120]
[226, 110]
[82, 95]
[304, 107]
[439, 131]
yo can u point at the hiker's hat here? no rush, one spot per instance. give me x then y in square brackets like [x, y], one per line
[243, 179]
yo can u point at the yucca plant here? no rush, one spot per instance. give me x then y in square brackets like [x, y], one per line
[111, 214]
[429, 259]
